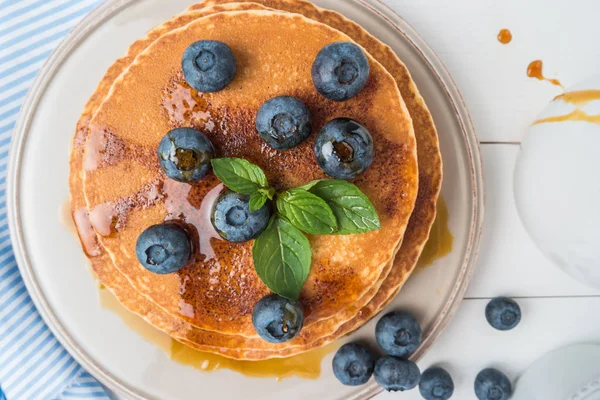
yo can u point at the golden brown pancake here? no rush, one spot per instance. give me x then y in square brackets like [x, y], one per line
[110, 276]
[429, 168]
[218, 290]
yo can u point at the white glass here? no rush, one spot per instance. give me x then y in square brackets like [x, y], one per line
[570, 373]
[557, 181]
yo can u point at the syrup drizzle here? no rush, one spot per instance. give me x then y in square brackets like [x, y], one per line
[535, 70]
[579, 99]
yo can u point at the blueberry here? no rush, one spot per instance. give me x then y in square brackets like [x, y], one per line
[184, 154]
[163, 248]
[340, 71]
[436, 384]
[233, 220]
[276, 319]
[353, 364]
[503, 313]
[344, 149]
[491, 384]
[395, 374]
[208, 65]
[398, 333]
[283, 122]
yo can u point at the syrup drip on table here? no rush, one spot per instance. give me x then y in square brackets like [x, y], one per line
[440, 238]
[579, 99]
[535, 70]
[306, 366]
[504, 36]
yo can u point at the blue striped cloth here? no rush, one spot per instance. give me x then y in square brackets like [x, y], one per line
[33, 365]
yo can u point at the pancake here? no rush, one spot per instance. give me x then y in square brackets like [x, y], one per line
[308, 335]
[417, 232]
[339, 277]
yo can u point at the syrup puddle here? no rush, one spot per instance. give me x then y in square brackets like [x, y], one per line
[440, 239]
[306, 366]
[535, 70]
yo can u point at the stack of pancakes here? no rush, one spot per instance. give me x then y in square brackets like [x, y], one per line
[118, 188]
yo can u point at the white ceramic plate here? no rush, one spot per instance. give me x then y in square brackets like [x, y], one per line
[54, 267]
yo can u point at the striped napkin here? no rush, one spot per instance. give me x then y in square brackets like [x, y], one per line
[33, 365]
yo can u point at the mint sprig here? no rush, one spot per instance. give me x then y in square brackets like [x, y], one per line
[240, 175]
[353, 210]
[282, 254]
[257, 201]
[306, 211]
[282, 258]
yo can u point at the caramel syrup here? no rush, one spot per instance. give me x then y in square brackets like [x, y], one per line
[306, 366]
[66, 219]
[535, 70]
[578, 99]
[504, 36]
[440, 238]
[576, 115]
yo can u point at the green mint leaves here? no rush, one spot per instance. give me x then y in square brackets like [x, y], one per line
[282, 254]
[282, 258]
[353, 210]
[240, 175]
[306, 211]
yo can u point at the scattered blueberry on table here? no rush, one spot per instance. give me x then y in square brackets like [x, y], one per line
[283, 122]
[436, 384]
[353, 364]
[208, 65]
[398, 333]
[491, 384]
[340, 71]
[395, 374]
[233, 221]
[163, 248]
[184, 154]
[277, 319]
[344, 149]
[503, 313]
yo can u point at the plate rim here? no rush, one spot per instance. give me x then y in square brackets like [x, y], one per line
[91, 22]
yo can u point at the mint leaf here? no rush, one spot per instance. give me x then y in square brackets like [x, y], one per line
[257, 200]
[307, 212]
[309, 185]
[282, 258]
[353, 210]
[239, 175]
[270, 192]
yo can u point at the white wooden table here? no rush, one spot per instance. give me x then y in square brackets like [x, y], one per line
[503, 101]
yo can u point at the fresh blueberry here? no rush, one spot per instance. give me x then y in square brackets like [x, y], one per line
[353, 364]
[184, 154]
[344, 148]
[276, 319]
[436, 384]
[398, 333]
[395, 374]
[233, 220]
[208, 65]
[491, 384]
[340, 71]
[283, 122]
[163, 248]
[503, 313]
